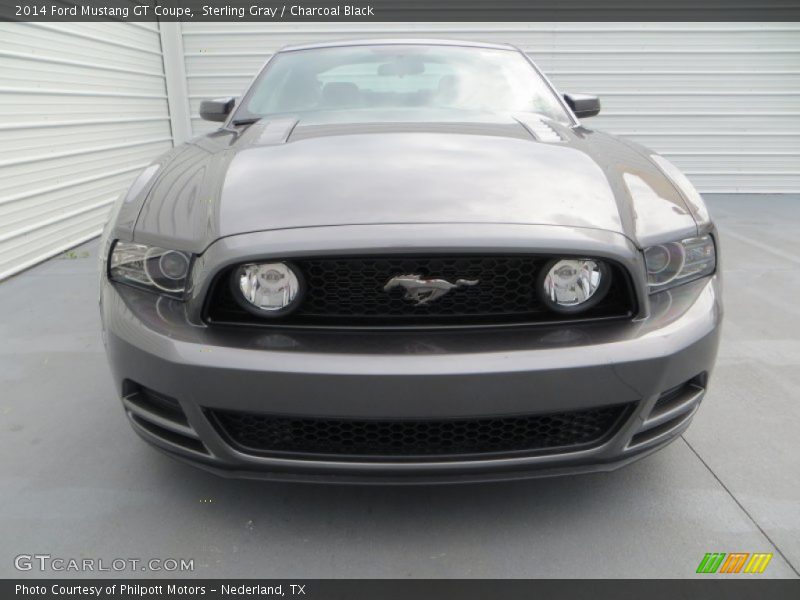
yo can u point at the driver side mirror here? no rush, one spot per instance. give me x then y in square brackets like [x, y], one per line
[217, 109]
[583, 105]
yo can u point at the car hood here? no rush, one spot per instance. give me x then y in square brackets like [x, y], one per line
[520, 169]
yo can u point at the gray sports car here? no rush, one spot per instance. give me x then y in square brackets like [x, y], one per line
[408, 261]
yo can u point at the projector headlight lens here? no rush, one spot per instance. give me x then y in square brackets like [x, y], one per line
[157, 269]
[267, 289]
[675, 263]
[572, 285]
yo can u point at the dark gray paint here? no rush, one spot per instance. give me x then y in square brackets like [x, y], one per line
[413, 181]
[491, 169]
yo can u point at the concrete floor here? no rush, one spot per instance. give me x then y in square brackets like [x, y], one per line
[76, 482]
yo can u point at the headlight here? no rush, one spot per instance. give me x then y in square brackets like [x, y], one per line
[572, 285]
[675, 263]
[267, 289]
[149, 267]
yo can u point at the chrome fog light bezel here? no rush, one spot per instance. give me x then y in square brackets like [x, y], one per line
[595, 298]
[238, 294]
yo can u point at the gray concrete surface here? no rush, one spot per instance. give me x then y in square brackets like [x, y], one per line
[76, 482]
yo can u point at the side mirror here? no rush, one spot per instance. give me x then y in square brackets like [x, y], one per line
[583, 105]
[217, 109]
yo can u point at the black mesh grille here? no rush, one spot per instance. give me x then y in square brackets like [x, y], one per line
[350, 291]
[267, 434]
[350, 287]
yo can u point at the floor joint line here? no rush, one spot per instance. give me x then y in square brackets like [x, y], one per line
[740, 505]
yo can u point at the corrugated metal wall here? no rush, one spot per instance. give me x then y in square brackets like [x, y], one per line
[721, 100]
[83, 107]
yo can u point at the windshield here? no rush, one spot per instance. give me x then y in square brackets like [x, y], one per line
[361, 78]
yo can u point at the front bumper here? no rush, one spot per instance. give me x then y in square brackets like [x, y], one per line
[153, 342]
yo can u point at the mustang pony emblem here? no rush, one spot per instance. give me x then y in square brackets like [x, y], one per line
[422, 291]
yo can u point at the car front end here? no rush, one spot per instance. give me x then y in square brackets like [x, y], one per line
[366, 301]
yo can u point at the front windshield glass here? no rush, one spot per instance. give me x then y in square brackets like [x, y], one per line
[364, 78]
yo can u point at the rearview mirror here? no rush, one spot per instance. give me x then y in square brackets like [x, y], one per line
[404, 65]
[217, 109]
[583, 105]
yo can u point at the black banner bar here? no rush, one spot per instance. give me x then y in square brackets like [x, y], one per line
[734, 588]
[399, 10]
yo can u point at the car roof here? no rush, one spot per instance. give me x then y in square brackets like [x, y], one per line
[400, 41]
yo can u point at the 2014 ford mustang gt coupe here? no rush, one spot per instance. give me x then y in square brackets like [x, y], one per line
[408, 261]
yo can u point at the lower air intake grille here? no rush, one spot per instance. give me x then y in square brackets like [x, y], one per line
[267, 434]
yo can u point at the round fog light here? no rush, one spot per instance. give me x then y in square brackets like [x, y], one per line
[572, 285]
[267, 289]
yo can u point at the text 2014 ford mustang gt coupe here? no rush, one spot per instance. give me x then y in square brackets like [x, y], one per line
[407, 261]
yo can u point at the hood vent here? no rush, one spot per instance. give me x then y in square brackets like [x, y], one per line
[539, 129]
[276, 132]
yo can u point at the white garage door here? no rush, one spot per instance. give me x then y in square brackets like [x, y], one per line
[83, 107]
[719, 99]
